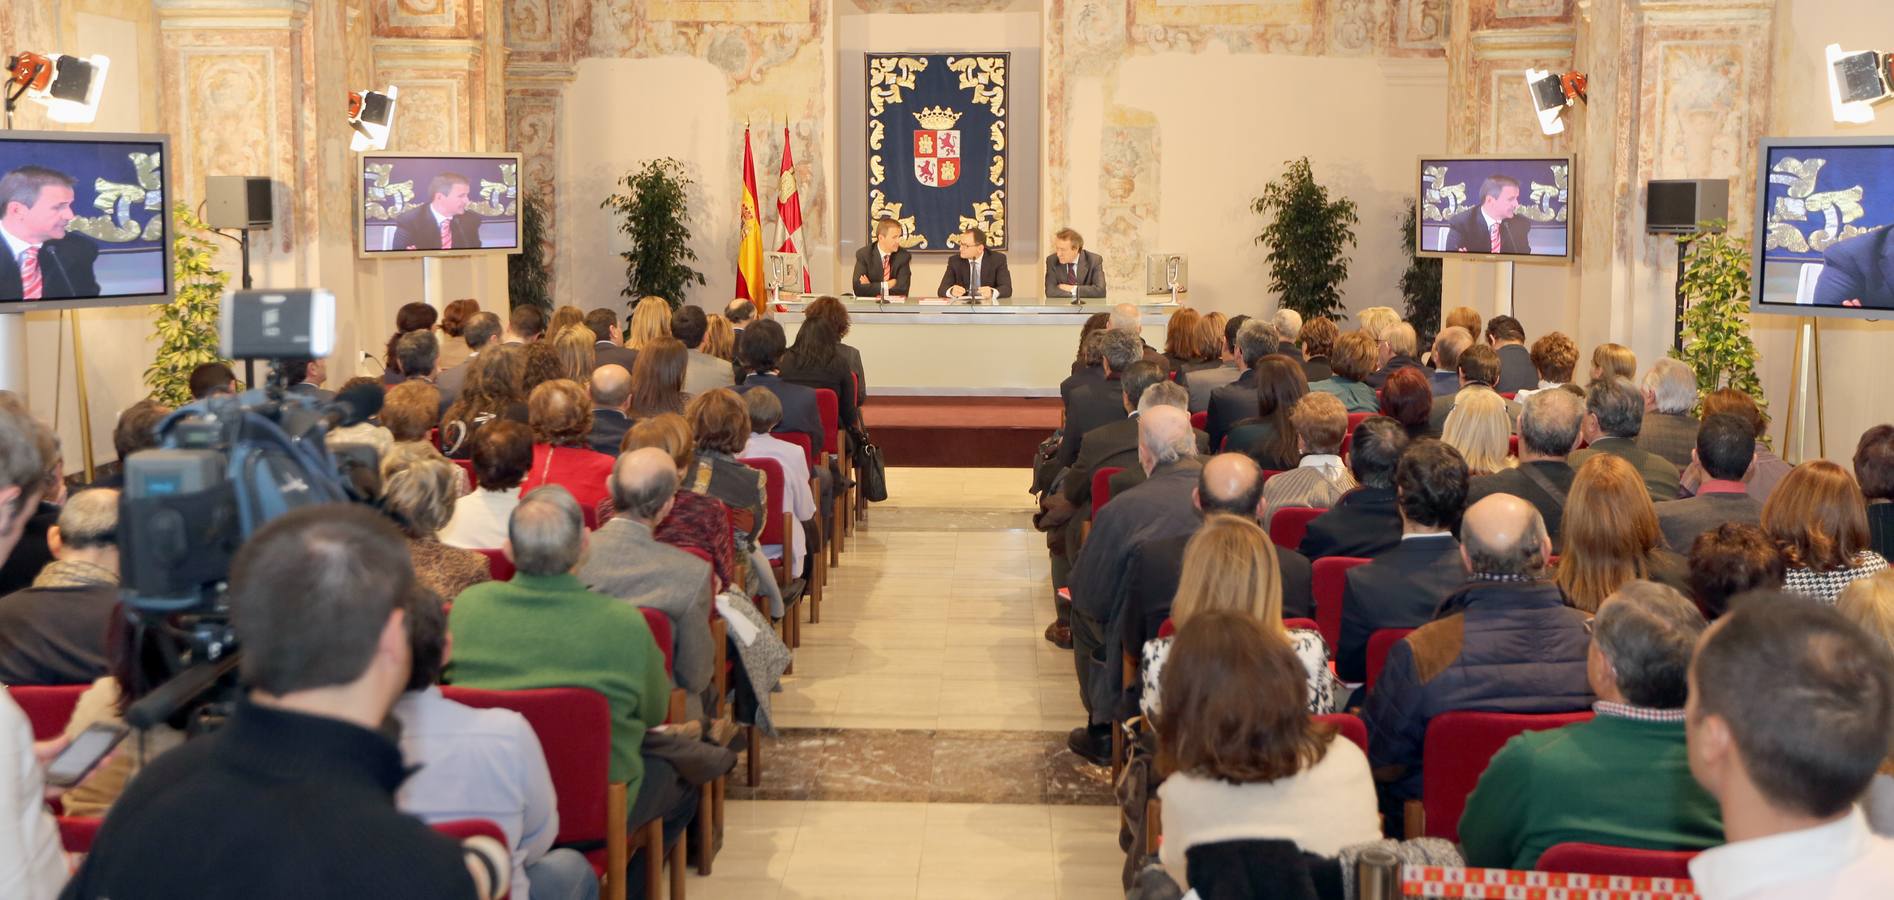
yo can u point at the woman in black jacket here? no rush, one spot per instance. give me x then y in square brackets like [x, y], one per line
[817, 360]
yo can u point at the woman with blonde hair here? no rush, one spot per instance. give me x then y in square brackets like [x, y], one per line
[1230, 565]
[418, 491]
[720, 338]
[563, 318]
[1479, 428]
[650, 320]
[1614, 361]
[577, 350]
[1820, 520]
[1869, 603]
[1610, 535]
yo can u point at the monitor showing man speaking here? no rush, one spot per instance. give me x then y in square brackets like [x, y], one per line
[1496, 206]
[1825, 227]
[82, 220]
[440, 205]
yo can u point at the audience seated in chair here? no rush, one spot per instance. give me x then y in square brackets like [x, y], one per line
[574, 346]
[1163, 393]
[1480, 428]
[816, 358]
[608, 344]
[1670, 393]
[32, 855]
[1444, 377]
[1554, 356]
[720, 426]
[1548, 430]
[758, 350]
[1791, 706]
[1355, 357]
[1869, 603]
[628, 563]
[1767, 470]
[1202, 382]
[702, 371]
[1621, 779]
[1321, 478]
[1479, 367]
[417, 492]
[610, 388]
[546, 629]
[1247, 758]
[33, 552]
[657, 379]
[1269, 437]
[1364, 521]
[479, 333]
[1611, 536]
[1099, 403]
[1237, 400]
[562, 420]
[416, 358]
[1317, 342]
[1820, 521]
[135, 655]
[1158, 508]
[1730, 560]
[300, 757]
[1614, 416]
[1402, 352]
[1506, 642]
[54, 631]
[1508, 339]
[1402, 586]
[1408, 399]
[480, 764]
[766, 412]
[502, 455]
[1230, 566]
[1874, 470]
[1723, 450]
[493, 391]
[696, 521]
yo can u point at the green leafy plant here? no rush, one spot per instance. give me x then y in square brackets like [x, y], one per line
[1715, 286]
[528, 276]
[652, 210]
[1420, 284]
[186, 327]
[1304, 237]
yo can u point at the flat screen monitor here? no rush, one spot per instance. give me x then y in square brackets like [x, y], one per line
[85, 220]
[440, 204]
[1501, 207]
[1824, 230]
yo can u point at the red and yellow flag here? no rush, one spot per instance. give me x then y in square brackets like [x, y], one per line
[789, 210]
[750, 285]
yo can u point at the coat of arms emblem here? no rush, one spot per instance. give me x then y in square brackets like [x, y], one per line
[937, 147]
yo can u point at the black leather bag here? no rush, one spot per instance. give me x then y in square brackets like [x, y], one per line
[871, 471]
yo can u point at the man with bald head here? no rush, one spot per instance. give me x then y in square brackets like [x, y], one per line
[1229, 484]
[611, 392]
[1160, 507]
[628, 562]
[1548, 430]
[1506, 642]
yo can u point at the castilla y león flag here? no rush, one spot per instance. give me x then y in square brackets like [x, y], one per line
[750, 249]
[789, 209]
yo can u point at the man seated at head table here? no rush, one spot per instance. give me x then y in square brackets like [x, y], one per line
[976, 271]
[1072, 268]
[883, 263]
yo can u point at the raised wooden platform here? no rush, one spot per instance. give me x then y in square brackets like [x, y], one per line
[974, 432]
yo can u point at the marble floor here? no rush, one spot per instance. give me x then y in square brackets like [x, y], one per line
[923, 749]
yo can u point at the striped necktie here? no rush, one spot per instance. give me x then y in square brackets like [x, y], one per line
[447, 237]
[1496, 237]
[30, 281]
[887, 269]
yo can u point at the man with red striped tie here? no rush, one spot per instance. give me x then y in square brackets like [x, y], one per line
[443, 224]
[1492, 226]
[42, 261]
[884, 263]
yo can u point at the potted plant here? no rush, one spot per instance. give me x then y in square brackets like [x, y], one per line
[528, 277]
[1304, 239]
[652, 213]
[187, 326]
[1715, 286]
[1420, 284]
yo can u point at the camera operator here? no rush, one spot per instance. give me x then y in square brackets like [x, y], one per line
[294, 796]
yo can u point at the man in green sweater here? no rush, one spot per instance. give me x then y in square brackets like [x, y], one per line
[544, 629]
[1623, 778]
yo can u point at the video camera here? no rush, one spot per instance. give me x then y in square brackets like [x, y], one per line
[224, 467]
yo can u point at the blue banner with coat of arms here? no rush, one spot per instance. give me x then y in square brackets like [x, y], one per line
[937, 145]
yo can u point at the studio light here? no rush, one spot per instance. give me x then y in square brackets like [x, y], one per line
[68, 86]
[1858, 79]
[1551, 94]
[372, 115]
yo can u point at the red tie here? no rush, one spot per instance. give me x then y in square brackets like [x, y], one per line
[1495, 238]
[29, 274]
[887, 270]
[447, 237]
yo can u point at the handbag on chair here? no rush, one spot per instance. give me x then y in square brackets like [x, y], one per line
[871, 471]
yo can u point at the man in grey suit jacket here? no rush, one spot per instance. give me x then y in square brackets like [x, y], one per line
[702, 372]
[1071, 267]
[1725, 447]
[625, 561]
[1614, 413]
[1670, 431]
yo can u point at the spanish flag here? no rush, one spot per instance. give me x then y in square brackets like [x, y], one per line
[750, 249]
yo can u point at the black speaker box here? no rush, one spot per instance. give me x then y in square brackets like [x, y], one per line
[1676, 206]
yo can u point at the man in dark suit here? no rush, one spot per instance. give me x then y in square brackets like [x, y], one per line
[608, 341]
[611, 390]
[1448, 345]
[442, 224]
[1479, 365]
[1113, 444]
[1236, 401]
[1614, 413]
[1516, 371]
[761, 347]
[1726, 445]
[41, 261]
[1548, 430]
[305, 376]
[1093, 405]
[1492, 226]
[1230, 484]
[1402, 586]
[1072, 267]
[884, 262]
[1858, 272]
[1670, 393]
[976, 273]
[482, 332]
[1367, 520]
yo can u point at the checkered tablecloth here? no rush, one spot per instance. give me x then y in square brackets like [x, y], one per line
[1507, 884]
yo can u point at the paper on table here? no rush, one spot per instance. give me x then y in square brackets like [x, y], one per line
[936, 301]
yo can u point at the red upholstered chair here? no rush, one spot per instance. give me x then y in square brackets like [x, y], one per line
[1292, 624]
[1166, 628]
[1271, 473]
[777, 521]
[47, 708]
[1101, 486]
[1509, 394]
[1512, 446]
[462, 829]
[1458, 747]
[822, 561]
[1200, 420]
[575, 732]
[1598, 859]
[1357, 418]
[1329, 578]
[1348, 444]
[498, 565]
[828, 409]
[1290, 523]
[76, 833]
[591, 517]
[1350, 727]
[466, 465]
[1379, 643]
